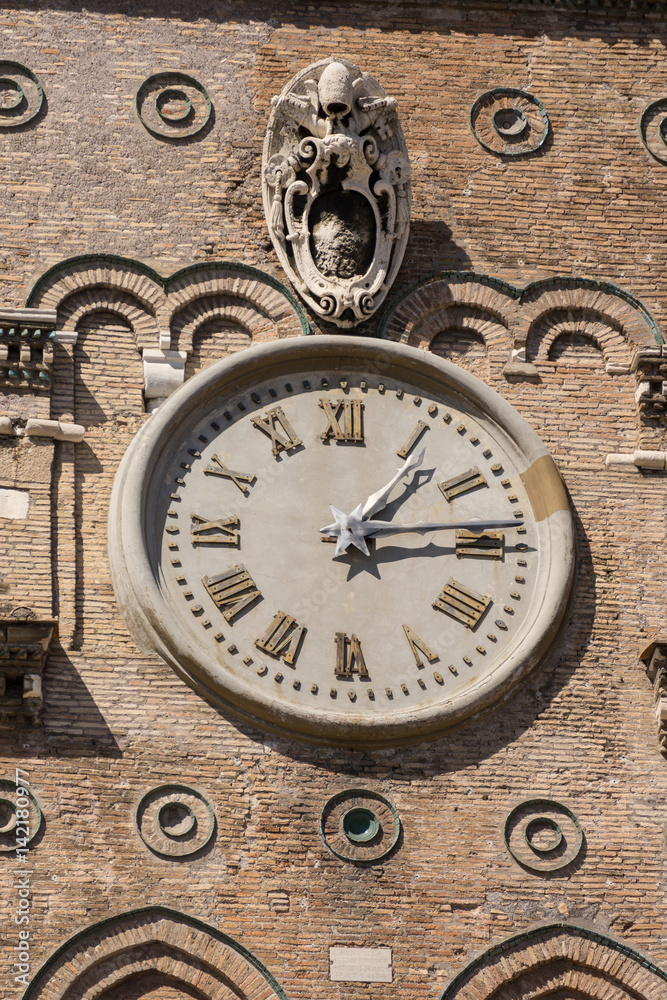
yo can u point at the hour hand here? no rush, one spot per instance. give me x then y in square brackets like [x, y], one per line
[377, 501]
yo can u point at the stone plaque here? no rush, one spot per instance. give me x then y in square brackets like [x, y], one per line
[360, 965]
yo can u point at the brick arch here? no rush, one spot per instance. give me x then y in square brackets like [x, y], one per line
[84, 303]
[107, 277]
[152, 986]
[234, 310]
[162, 945]
[237, 287]
[604, 332]
[557, 961]
[594, 302]
[445, 300]
[465, 342]
[104, 272]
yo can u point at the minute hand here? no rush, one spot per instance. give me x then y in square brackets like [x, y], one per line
[373, 529]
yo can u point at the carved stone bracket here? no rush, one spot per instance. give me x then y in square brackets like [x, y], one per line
[57, 430]
[24, 647]
[654, 657]
[164, 371]
[336, 189]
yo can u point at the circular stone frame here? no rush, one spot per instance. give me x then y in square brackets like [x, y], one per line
[155, 837]
[34, 821]
[172, 94]
[652, 129]
[384, 830]
[541, 863]
[158, 626]
[8, 70]
[172, 82]
[510, 140]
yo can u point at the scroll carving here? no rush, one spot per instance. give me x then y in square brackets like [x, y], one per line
[336, 188]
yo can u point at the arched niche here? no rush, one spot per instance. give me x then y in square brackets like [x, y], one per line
[577, 336]
[151, 301]
[152, 986]
[559, 962]
[465, 346]
[153, 954]
[461, 316]
[212, 326]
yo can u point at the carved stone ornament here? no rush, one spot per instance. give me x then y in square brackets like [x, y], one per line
[336, 189]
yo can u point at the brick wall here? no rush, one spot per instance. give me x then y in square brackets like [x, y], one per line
[86, 177]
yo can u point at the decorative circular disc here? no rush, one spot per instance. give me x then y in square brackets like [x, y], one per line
[21, 94]
[509, 122]
[175, 821]
[225, 562]
[358, 825]
[11, 828]
[653, 128]
[543, 835]
[173, 105]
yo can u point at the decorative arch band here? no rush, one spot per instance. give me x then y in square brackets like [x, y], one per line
[559, 957]
[146, 284]
[153, 940]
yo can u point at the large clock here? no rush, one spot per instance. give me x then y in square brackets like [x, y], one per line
[343, 540]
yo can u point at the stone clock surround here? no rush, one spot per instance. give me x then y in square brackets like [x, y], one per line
[139, 583]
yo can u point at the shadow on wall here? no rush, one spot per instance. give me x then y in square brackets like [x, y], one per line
[431, 248]
[72, 724]
[379, 15]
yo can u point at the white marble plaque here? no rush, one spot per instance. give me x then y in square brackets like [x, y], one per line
[14, 504]
[360, 965]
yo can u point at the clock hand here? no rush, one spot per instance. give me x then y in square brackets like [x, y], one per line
[377, 501]
[350, 529]
[373, 529]
[345, 531]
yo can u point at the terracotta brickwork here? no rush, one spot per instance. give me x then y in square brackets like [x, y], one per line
[544, 275]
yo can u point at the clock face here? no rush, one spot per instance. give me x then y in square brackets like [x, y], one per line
[440, 578]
